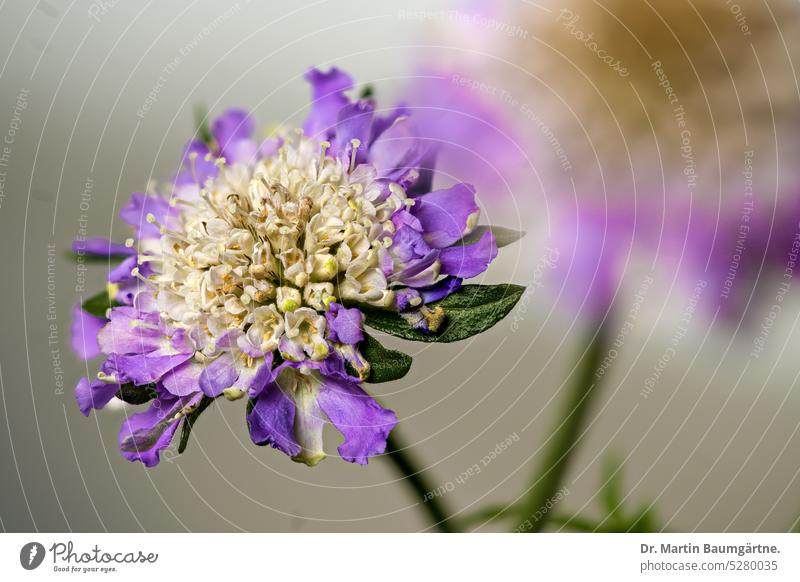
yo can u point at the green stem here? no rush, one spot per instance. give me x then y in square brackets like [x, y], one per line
[405, 464]
[550, 473]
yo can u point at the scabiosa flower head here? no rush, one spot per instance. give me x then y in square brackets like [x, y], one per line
[250, 276]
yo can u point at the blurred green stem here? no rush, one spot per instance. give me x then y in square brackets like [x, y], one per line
[405, 464]
[565, 436]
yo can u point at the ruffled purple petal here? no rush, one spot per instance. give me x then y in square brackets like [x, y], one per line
[83, 333]
[144, 435]
[218, 375]
[271, 421]
[466, 261]
[446, 215]
[327, 95]
[94, 395]
[345, 326]
[363, 422]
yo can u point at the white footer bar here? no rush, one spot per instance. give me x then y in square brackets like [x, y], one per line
[396, 557]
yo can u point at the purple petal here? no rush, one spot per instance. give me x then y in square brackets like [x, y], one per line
[327, 94]
[477, 140]
[83, 333]
[122, 272]
[405, 218]
[101, 247]
[399, 152]
[94, 395]
[345, 326]
[143, 435]
[404, 296]
[466, 261]
[232, 126]
[589, 247]
[440, 290]
[446, 214]
[420, 272]
[136, 211]
[363, 422]
[184, 379]
[272, 420]
[383, 122]
[125, 334]
[218, 375]
[290, 350]
[242, 151]
[308, 426]
[354, 122]
[199, 170]
[144, 369]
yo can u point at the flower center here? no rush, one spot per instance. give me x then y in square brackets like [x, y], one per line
[298, 229]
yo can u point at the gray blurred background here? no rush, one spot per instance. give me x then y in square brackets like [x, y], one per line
[97, 98]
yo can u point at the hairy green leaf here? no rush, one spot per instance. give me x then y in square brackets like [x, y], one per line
[112, 258]
[470, 311]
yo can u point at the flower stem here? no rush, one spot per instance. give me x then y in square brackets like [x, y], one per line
[405, 464]
[566, 434]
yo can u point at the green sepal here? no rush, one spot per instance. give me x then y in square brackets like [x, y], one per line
[191, 418]
[133, 394]
[97, 305]
[385, 365]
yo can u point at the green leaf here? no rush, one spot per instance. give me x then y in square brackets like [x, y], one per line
[191, 418]
[503, 236]
[97, 305]
[367, 92]
[385, 365]
[133, 394]
[201, 125]
[470, 311]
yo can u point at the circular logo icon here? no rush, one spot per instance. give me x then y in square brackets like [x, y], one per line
[31, 555]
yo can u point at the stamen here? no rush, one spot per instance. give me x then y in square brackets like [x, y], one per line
[135, 273]
[193, 167]
[355, 144]
[129, 243]
[323, 147]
